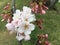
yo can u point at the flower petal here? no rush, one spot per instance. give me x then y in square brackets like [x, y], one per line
[31, 18]
[27, 32]
[20, 30]
[9, 26]
[17, 11]
[31, 27]
[26, 9]
[27, 37]
[19, 37]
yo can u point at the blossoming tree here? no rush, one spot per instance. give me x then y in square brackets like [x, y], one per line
[23, 22]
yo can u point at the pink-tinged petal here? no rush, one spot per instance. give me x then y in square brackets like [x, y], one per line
[36, 6]
[9, 26]
[27, 37]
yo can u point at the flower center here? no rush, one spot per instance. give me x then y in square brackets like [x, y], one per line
[26, 19]
[26, 26]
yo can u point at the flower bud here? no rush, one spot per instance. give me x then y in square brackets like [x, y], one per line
[46, 35]
[46, 43]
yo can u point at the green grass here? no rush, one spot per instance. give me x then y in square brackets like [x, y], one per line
[51, 26]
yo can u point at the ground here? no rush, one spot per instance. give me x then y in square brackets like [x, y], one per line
[51, 26]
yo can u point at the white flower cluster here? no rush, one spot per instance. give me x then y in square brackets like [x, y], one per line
[22, 23]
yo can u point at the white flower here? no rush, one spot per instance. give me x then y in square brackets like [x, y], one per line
[17, 12]
[10, 27]
[25, 15]
[26, 27]
[19, 37]
[22, 23]
[26, 9]
[17, 15]
[28, 17]
[16, 23]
